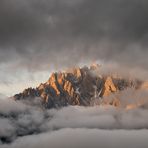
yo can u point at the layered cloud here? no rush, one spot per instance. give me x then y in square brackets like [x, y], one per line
[27, 122]
[84, 138]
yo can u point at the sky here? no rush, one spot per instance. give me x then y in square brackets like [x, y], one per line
[38, 37]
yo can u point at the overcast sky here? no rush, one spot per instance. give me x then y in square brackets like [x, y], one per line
[38, 36]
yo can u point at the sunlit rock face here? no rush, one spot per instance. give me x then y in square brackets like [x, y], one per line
[145, 85]
[108, 87]
[79, 86]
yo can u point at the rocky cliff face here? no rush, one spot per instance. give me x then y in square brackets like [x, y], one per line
[78, 86]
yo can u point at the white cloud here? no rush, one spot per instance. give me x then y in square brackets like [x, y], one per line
[75, 126]
[84, 138]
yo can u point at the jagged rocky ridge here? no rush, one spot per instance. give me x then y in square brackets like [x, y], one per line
[79, 86]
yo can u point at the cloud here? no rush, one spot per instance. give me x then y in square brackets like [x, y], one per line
[48, 35]
[130, 96]
[39, 33]
[2, 96]
[27, 122]
[84, 138]
[97, 117]
[19, 119]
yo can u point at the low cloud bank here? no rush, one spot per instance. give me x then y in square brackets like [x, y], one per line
[22, 123]
[84, 138]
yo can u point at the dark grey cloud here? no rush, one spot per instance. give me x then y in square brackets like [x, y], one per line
[36, 34]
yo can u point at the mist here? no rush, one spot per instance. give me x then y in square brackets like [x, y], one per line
[28, 123]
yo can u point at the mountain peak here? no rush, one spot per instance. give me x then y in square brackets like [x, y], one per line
[77, 86]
